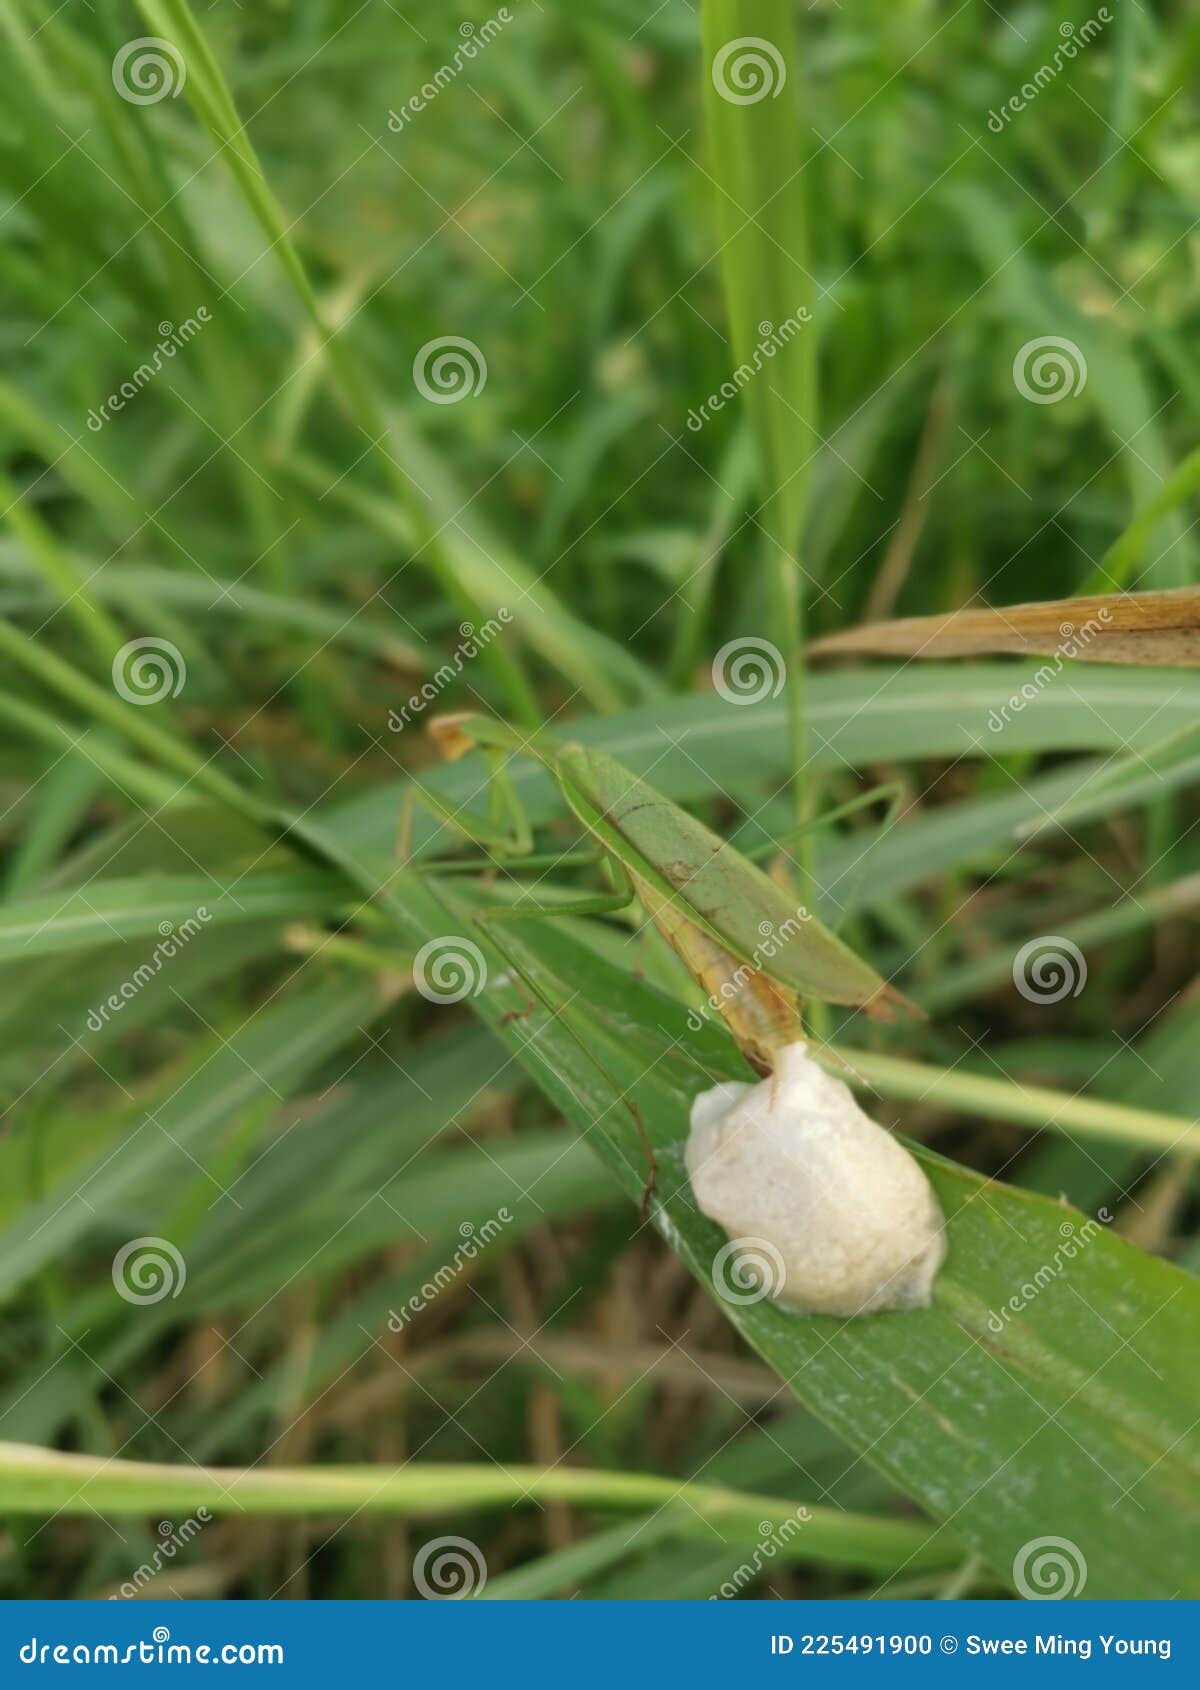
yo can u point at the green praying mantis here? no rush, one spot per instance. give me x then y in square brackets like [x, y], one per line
[749, 947]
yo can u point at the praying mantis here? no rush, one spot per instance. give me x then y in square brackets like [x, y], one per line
[746, 943]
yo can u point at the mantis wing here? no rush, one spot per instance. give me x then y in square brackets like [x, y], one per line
[689, 877]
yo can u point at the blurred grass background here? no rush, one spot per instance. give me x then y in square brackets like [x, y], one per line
[321, 1145]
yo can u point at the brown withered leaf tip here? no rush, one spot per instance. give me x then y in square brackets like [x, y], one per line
[1158, 629]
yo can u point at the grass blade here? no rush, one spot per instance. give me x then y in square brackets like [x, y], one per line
[40, 1481]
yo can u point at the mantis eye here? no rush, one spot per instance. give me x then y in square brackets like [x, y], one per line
[826, 1212]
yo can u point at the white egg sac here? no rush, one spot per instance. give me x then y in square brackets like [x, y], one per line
[830, 1213]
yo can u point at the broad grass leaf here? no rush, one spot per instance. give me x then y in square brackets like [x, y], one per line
[695, 747]
[1034, 1397]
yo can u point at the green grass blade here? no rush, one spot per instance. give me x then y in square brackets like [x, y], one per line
[757, 156]
[214, 105]
[159, 907]
[695, 747]
[271, 1053]
[1127, 553]
[36, 1481]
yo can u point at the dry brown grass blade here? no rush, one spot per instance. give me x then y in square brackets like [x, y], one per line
[1160, 629]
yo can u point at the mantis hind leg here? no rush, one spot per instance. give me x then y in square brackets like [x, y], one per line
[893, 789]
[651, 1160]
